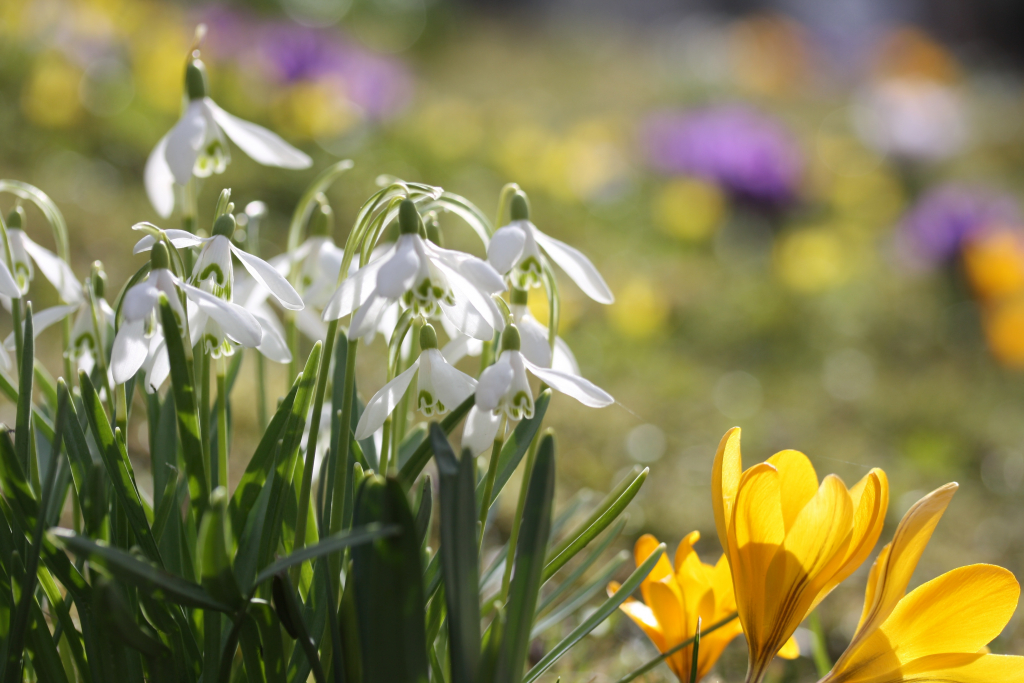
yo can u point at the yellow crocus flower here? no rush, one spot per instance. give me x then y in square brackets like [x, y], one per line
[940, 631]
[789, 540]
[675, 598]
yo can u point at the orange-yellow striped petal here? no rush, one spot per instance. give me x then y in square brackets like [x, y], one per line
[798, 482]
[725, 481]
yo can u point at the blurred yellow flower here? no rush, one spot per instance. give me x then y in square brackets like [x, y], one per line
[940, 631]
[788, 540]
[909, 52]
[689, 209]
[995, 264]
[310, 110]
[675, 598]
[449, 128]
[1004, 330]
[159, 61]
[874, 199]
[50, 98]
[812, 259]
[640, 310]
[567, 316]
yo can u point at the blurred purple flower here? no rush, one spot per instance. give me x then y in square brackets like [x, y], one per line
[745, 152]
[946, 217]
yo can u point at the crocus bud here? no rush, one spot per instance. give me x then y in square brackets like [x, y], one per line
[224, 226]
[510, 339]
[428, 337]
[159, 258]
[520, 207]
[409, 222]
[195, 80]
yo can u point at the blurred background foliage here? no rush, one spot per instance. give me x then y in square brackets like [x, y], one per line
[809, 213]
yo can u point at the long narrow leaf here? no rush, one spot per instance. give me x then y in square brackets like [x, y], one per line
[583, 595]
[515, 448]
[343, 539]
[24, 416]
[421, 456]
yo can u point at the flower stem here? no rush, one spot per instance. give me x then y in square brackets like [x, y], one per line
[344, 443]
[19, 333]
[222, 423]
[203, 373]
[261, 390]
[506, 577]
[819, 649]
[492, 472]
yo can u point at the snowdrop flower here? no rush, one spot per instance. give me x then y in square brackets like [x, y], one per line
[24, 252]
[439, 388]
[253, 298]
[516, 250]
[424, 277]
[197, 144]
[139, 341]
[504, 390]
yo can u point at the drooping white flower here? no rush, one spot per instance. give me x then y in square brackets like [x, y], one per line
[197, 144]
[253, 297]
[424, 277]
[139, 341]
[504, 390]
[517, 251]
[23, 253]
[439, 387]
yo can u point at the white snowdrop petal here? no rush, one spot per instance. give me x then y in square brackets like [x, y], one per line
[460, 346]
[563, 359]
[259, 143]
[272, 343]
[577, 266]
[8, 285]
[310, 324]
[55, 270]
[367, 317]
[158, 368]
[466, 320]
[184, 142]
[355, 290]
[583, 390]
[479, 272]
[237, 323]
[451, 386]
[398, 274]
[129, 351]
[179, 238]
[159, 179]
[384, 402]
[140, 300]
[268, 276]
[494, 382]
[481, 301]
[5, 359]
[48, 316]
[534, 340]
[480, 430]
[506, 247]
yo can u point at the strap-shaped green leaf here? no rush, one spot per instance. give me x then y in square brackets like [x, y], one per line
[187, 410]
[144, 576]
[605, 513]
[388, 587]
[22, 437]
[580, 570]
[529, 565]
[421, 456]
[459, 557]
[339, 541]
[602, 613]
[583, 595]
[286, 601]
[14, 483]
[118, 469]
[215, 551]
[270, 640]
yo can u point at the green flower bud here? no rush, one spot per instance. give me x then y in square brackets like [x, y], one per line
[510, 339]
[519, 297]
[520, 207]
[286, 605]
[16, 218]
[428, 337]
[99, 279]
[409, 222]
[215, 550]
[225, 225]
[159, 258]
[323, 222]
[195, 80]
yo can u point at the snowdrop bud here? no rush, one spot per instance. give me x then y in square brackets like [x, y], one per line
[520, 207]
[195, 80]
[434, 230]
[323, 222]
[409, 222]
[159, 258]
[225, 225]
[510, 339]
[428, 337]
[519, 297]
[16, 218]
[99, 279]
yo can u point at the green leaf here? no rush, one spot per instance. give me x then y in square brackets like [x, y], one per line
[605, 513]
[143, 575]
[116, 616]
[602, 613]
[285, 593]
[14, 483]
[252, 656]
[414, 438]
[640, 671]
[340, 540]
[491, 649]
[270, 640]
[24, 416]
[424, 510]
[41, 650]
[118, 469]
[516, 446]
[187, 410]
[215, 551]
[421, 456]
[459, 561]
[568, 581]
[529, 565]
[388, 581]
[583, 595]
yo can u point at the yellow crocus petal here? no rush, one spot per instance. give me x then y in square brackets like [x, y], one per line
[662, 572]
[757, 532]
[896, 564]
[798, 482]
[664, 603]
[791, 650]
[725, 480]
[694, 578]
[811, 553]
[870, 498]
[642, 615]
[960, 668]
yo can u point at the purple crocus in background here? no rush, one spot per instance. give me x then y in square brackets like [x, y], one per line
[748, 154]
[936, 228]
